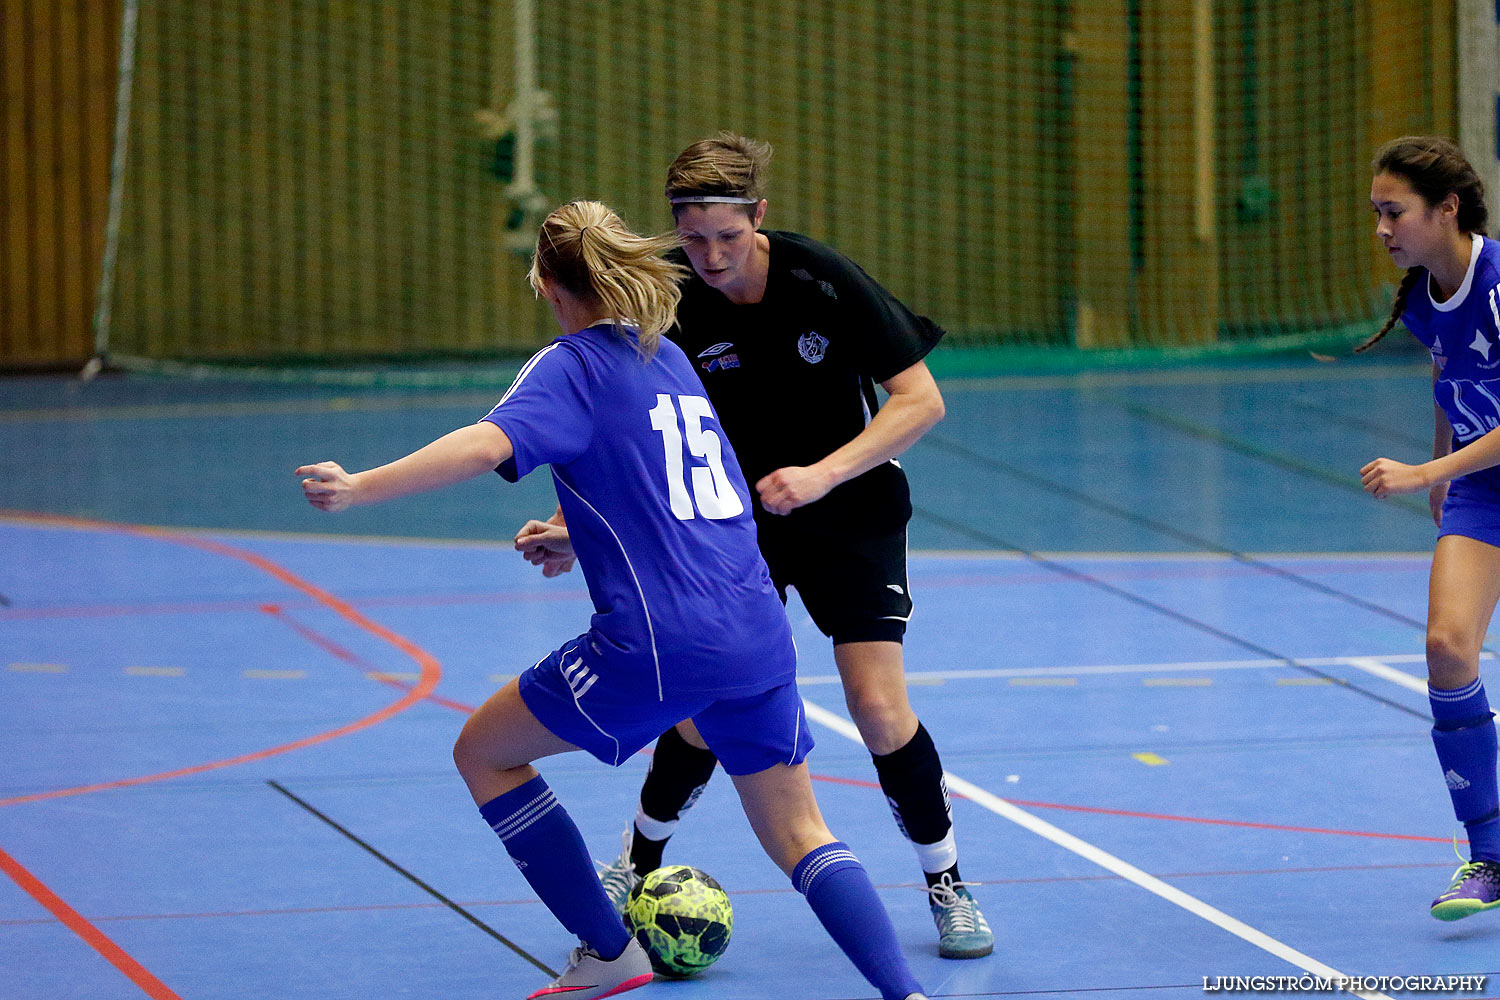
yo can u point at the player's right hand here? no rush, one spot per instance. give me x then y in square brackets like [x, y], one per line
[1386, 477]
[327, 486]
[547, 545]
[1435, 498]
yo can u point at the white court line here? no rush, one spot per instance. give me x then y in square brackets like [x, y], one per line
[1109, 862]
[1137, 668]
[1381, 668]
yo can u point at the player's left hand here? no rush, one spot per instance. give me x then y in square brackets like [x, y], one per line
[546, 544]
[327, 486]
[1384, 477]
[784, 490]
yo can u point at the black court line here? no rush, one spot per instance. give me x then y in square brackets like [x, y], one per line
[1286, 462]
[1370, 427]
[1162, 528]
[1198, 987]
[1078, 991]
[416, 881]
[995, 542]
[1234, 444]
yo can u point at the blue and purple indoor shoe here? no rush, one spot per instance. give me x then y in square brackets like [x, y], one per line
[1476, 887]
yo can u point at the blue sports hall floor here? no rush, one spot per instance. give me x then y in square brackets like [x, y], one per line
[1171, 654]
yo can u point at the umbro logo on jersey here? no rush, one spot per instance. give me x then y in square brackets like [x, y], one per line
[896, 587]
[1456, 781]
[812, 345]
[717, 359]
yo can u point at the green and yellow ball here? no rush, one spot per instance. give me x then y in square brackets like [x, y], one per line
[683, 919]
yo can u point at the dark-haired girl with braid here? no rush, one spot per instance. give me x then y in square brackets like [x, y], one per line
[1429, 206]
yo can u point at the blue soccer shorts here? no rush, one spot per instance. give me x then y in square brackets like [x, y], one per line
[1471, 510]
[747, 733]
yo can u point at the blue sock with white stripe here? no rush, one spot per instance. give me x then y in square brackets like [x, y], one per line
[545, 844]
[1464, 735]
[839, 891]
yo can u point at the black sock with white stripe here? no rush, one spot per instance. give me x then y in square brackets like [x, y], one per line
[679, 772]
[912, 779]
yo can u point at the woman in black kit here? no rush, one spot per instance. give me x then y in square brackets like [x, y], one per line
[790, 339]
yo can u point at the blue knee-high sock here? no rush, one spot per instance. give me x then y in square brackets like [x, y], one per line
[1464, 735]
[839, 891]
[542, 840]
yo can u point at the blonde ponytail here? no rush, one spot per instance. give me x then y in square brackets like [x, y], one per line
[587, 249]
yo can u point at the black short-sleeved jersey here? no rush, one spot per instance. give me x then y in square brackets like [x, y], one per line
[792, 377]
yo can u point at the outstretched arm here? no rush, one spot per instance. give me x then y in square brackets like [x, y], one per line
[914, 406]
[462, 454]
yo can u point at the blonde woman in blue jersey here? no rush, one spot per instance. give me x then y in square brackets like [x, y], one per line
[659, 521]
[1430, 212]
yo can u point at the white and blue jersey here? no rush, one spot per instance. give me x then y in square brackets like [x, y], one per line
[1463, 334]
[659, 516]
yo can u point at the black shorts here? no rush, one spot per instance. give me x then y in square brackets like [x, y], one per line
[854, 587]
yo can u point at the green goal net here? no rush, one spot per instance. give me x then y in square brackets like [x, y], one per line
[337, 181]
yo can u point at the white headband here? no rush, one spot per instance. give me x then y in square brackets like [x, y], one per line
[718, 199]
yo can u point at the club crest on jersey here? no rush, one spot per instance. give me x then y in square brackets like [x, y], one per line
[812, 345]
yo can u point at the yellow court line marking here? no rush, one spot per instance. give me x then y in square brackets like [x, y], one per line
[155, 671]
[276, 675]
[1180, 682]
[38, 668]
[1150, 759]
[1302, 681]
[1043, 681]
[382, 676]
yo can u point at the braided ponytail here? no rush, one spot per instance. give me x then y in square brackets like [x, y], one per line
[1408, 282]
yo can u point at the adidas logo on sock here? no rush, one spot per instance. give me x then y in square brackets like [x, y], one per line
[1456, 781]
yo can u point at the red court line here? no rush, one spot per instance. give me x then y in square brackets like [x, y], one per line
[426, 690]
[317, 638]
[474, 904]
[1232, 822]
[248, 604]
[431, 670]
[91, 935]
[1100, 810]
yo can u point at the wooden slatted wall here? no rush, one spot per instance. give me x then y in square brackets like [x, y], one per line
[58, 63]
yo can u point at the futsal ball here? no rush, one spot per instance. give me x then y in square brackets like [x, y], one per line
[682, 917]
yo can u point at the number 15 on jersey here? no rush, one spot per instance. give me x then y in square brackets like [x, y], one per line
[713, 493]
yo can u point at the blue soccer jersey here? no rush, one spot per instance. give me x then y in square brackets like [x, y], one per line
[658, 512]
[1463, 334]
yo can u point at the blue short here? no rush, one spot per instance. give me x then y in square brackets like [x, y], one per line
[1472, 510]
[747, 734]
